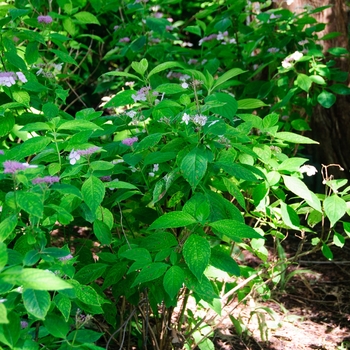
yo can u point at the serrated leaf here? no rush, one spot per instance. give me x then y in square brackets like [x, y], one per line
[7, 123]
[30, 202]
[294, 138]
[229, 109]
[196, 252]
[227, 75]
[194, 166]
[170, 88]
[159, 241]
[250, 103]
[173, 219]
[137, 254]
[222, 260]
[163, 66]
[93, 191]
[63, 304]
[173, 281]
[120, 184]
[102, 232]
[148, 142]
[86, 294]
[335, 208]
[90, 273]
[21, 96]
[56, 325]
[36, 302]
[78, 125]
[10, 333]
[159, 157]
[198, 206]
[28, 148]
[234, 191]
[7, 226]
[234, 230]
[122, 99]
[150, 273]
[202, 288]
[64, 57]
[86, 17]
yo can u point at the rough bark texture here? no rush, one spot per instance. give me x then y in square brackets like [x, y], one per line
[331, 127]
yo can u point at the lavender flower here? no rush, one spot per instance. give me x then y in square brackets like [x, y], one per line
[11, 166]
[65, 258]
[86, 152]
[45, 19]
[124, 40]
[130, 141]
[141, 95]
[186, 118]
[2, 152]
[47, 179]
[107, 178]
[24, 324]
[9, 78]
[200, 119]
[21, 77]
[74, 156]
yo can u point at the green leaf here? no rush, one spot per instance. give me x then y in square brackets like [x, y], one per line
[90, 273]
[63, 304]
[123, 74]
[170, 88]
[36, 302]
[159, 241]
[150, 273]
[290, 217]
[173, 219]
[56, 326]
[294, 138]
[326, 99]
[38, 126]
[120, 184]
[234, 230]
[137, 254]
[194, 166]
[194, 30]
[229, 109]
[32, 203]
[298, 187]
[196, 252]
[227, 76]
[292, 164]
[21, 96]
[317, 79]
[78, 125]
[173, 281]
[340, 89]
[102, 232]
[86, 337]
[122, 99]
[238, 171]
[234, 191]
[101, 165]
[28, 148]
[7, 123]
[33, 279]
[86, 294]
[86, 17]
[148, 142]
[93, 191]
[163, 66]
[335, 208]
[10, 333]
[250, 103]
[338, 51]
[3, 315]
[140, 67]
[3, 258]
[7, 226]
[203, 288]
[159, 157]
[304, 82]
[115, 274]
[50, 110]
[326, 251]
[221, 259]
[198, 206]
[14, 59]
[64, 57]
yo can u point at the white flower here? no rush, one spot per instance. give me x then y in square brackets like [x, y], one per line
[155, 167]
[200, 119]
[296, 56]
[74, 156]
[184, 85]
[131, 114]
[309, 170]
[303, 42]
[151, 174]
[21, 77]
[286, 64]
[273, 50]
[186, 118]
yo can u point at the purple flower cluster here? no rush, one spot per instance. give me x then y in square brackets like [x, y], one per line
[45, 19]
[65, 258]
[11, 166]
[141, 95]
[130, 141]
[208, 38]
[124, 40]
[2, 152]
[9, 78]
[86, 152]
[47, 179]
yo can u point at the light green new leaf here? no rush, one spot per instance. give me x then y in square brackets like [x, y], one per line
[79, 125]
[93, 191]
[173, 280]
[122, 99]
[335, 208]
[36, 302]
[173, 219]
[86, 17]
[304, 82]
[3, 314]
[21, 96]
[294, 138]
[338, 240]
[150, 273]
[194, 166]
[33, 279]
[298, 187]
[234, 230]
[250, 103]
[163, 66]
[140, 67]
[196, 252]
[7, 226]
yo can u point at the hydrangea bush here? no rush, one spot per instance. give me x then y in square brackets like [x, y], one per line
[143, 148]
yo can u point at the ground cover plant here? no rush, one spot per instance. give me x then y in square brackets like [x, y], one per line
[144, 146]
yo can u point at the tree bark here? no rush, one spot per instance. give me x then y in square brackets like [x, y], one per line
[331, 127]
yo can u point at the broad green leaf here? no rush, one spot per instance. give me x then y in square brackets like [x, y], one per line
[203, 288]
[123, 74]
[227, 75]
[234, 230]
[137, 254]
[148, 142]
[10, 332]
[170, 88]
[338, 51]
[234, 191]
[101, 165]
[21, 96]
[270, 120]
[335, 208]
[17, 61]
[194, 166]
[159, 157]
[221, 259]
[159, 241]
[198, 206]
[36, 302]
[32, 203]
[120, 184]
[64, 57]
[28, 148]
[63, 216]
[292, 164]
[3, 258]
[326, 99]
[317, 79]
[50, 110]
[196, 252]
[304, 82]
[3, 315]
[140, 67]
[38, 126]
[102, 232]
[298, 187]
[93, 191]
[122, 99]
[173, 281]
[86, 17]
[294, 138]
[163, 66]
[7, 122]
[229, 109]
[326, 251]
[63, 304]
[250, 103]
[86, 337]
[78, 125]
[90, 273]
[150, 273]
[86, 294]
[290, 217]
[7, 226]
[238, 171]
[173, 219]
[56, 326]
[114, 274]
[340, 89]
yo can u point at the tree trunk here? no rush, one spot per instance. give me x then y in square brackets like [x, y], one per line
[331, 127]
